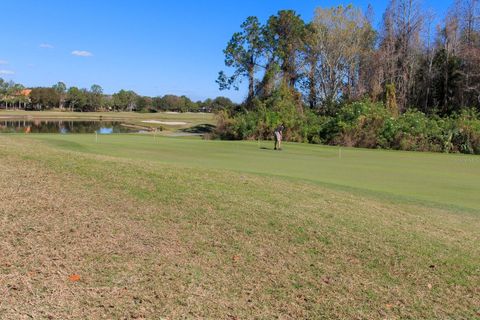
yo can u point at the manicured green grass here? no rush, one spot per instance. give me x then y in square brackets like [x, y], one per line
[434, 179]
[185, 228]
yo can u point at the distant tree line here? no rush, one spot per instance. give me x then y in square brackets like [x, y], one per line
[337, 80]
[16, 96]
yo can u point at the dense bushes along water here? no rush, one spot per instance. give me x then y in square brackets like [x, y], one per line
[359, 124]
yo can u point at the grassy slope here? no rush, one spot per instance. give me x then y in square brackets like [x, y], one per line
[442, 179]
[179, 227]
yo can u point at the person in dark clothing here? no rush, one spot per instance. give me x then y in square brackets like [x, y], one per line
[278, 135]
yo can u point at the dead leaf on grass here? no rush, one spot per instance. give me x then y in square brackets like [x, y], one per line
[74, 278]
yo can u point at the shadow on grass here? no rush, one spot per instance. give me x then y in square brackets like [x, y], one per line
[266, 148]
[200, 129]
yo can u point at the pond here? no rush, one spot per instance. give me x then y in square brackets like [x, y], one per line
[65, 127]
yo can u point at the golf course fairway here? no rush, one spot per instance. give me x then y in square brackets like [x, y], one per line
[148, 227]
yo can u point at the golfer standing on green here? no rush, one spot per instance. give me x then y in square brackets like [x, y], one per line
[278, 137]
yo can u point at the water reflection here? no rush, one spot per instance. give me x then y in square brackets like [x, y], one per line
[64, 127]
[104, 130]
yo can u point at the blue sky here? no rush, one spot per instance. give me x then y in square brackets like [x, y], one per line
[151, 47]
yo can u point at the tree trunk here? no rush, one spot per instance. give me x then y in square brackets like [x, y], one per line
[251, 82]
[445, 81]
[312, 85]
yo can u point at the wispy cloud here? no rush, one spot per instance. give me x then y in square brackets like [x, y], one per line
[3, 62]
[82, 53]
[46, 46]
[6, 72]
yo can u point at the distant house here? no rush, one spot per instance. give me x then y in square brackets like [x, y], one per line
[25, 92]
[17, 99]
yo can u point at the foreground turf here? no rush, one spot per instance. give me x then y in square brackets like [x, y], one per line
[202, 229]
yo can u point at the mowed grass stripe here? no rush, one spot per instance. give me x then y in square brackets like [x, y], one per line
[430, 178]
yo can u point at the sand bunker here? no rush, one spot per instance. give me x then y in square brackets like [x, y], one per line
[171, 123]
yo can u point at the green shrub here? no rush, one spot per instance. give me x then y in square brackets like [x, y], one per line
[466, 136]
[281, 108]
[359, 124]
[416, 132]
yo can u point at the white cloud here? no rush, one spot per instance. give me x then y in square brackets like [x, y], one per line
[6, 72]
[46, 46]
[3, 62]
[82, 53]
